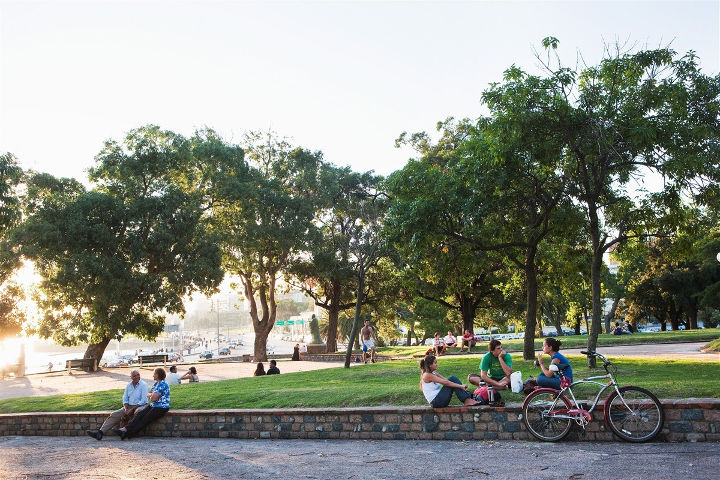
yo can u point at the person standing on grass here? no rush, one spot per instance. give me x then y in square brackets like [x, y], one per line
[439, 390]
[367, 340]
[133, 400]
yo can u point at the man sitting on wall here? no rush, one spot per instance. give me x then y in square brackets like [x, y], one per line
[134, 400]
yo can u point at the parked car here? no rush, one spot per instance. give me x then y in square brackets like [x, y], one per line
[206, 354]
[116, 362]
[225, 351]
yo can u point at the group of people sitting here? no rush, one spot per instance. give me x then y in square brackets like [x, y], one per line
[440, 345]
[495, 370]
[260, 369]
[627, 328]
[140, 406]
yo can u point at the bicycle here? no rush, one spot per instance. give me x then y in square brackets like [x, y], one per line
[632, 413]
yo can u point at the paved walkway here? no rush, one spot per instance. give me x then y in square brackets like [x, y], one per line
[82, 458]
[80, 382]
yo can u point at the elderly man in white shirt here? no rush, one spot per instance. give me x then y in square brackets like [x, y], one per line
[134, 399]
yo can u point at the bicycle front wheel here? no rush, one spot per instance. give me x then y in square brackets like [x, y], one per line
[539, 423]
[635, 415]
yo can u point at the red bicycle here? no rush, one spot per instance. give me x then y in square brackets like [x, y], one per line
[632, 413]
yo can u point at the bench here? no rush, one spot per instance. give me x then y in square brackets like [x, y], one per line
[161, 357]
[86, 364]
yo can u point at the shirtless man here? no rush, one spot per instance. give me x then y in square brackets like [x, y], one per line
[367, 339]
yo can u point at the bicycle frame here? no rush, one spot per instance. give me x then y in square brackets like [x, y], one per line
[572, 414]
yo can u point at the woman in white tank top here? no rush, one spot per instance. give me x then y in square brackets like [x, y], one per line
[437, 389]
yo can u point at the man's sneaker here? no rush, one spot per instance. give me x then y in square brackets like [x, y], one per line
[96, 434]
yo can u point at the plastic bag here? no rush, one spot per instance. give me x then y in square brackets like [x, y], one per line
[516, 383]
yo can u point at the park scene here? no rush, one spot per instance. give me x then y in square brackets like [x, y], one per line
[358, 243]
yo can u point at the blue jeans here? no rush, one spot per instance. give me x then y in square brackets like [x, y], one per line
[552, 382]
[445, 394]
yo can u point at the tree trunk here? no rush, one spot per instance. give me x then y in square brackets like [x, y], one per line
[596, 326]
[467, 311]
[96, 350]
[578, 318]
[356, 321]
[261, 325]
[531, 304]
[610, 315]
[692, 318]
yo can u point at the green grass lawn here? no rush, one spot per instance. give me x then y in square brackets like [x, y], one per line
[579, 341]
[385, 383]
[714, 345]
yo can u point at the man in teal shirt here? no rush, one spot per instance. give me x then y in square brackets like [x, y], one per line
[495, 367]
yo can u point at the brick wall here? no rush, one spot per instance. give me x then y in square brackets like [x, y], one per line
[693, 420]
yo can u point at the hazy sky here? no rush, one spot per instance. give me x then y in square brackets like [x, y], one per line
[342, 77]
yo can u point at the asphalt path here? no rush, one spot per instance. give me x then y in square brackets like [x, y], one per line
[82, 458]
[61, 382]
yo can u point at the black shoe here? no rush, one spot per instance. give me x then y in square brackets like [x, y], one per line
[96, 434]
[122, 433]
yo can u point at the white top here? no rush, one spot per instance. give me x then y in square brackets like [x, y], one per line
[173, 378]
[438, 341]
[430, 390]
[449, 339]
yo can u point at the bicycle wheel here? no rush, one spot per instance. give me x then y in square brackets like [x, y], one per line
[537, 421]
[639, 418]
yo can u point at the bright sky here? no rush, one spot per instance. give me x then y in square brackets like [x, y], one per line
[342, 77]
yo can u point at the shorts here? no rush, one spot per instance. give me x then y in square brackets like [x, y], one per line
[369, 343]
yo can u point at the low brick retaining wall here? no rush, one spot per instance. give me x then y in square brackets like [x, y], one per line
[689, 420]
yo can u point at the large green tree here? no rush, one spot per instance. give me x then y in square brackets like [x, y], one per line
[11, 317]
[327, 274]
[636, 112]
[263, 215]
[116, 259]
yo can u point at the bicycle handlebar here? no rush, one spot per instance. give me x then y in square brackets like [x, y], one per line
[605, 361]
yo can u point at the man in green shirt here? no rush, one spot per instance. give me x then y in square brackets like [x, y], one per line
[495, 367]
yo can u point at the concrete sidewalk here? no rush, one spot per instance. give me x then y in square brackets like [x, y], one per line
[81, 458]
[57, 383]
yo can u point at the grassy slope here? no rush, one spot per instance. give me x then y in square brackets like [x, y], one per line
[579, 341]
[386, 383]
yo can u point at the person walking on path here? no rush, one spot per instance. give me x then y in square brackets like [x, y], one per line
[134, 398]
[159, 398]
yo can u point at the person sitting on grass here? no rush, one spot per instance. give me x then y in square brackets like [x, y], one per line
[439, 346]
[191, 375]
[437, 389]
[450, 341]
[273, 370]
[549, 378]
[468, 339]
[260, 370]
[495, 368]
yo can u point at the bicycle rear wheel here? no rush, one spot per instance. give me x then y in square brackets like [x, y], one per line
[639, 418]
[535, 415]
